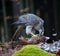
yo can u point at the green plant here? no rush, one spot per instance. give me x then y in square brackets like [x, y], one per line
[32, 50]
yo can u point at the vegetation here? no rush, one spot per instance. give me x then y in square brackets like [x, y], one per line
[32, 50]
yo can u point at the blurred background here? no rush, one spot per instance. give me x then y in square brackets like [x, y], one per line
[48, 10]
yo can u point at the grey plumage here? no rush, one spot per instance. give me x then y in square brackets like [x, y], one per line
[30, 19]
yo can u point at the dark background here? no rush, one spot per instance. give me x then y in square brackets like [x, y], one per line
[10, 10]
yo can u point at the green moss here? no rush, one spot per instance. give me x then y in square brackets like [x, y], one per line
[32, 50]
